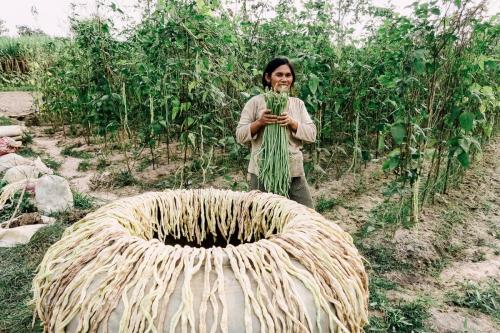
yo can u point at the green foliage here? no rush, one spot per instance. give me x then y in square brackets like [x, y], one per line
[16, 57]
[51, 163]
[27, 138]
[102, 163]
[25, 206]
[398, 317]
[5, 121]
[123, 178]
[323, 204]
[70, 151]
[404, 317]
[378, 287]
[27, 152]
[416, 90]
[84, 165]
[387, 215]
[83, 201]
[484, 298]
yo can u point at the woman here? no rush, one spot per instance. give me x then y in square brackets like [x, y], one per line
[279, 75]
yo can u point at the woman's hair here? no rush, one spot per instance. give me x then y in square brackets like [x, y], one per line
[271, 67]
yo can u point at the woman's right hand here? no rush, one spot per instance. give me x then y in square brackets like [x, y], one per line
[267, 118]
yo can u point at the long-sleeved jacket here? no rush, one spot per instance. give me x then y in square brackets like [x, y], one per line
[306, 132]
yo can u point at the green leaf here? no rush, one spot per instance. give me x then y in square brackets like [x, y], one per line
[390, 163]
[464, 159]
[458, 3]
[387, 81]
[435, 11]
[398, 132]
[175, 111]
[419, 66]
[487, 90]
[466, 120]
[191, 85]
[313, 83]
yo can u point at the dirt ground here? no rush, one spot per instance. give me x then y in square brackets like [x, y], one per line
[473, 228]
[16, 104]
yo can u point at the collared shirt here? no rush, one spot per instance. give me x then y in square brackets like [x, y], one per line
[306, 132]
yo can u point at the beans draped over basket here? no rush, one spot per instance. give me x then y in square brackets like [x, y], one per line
[203, 261]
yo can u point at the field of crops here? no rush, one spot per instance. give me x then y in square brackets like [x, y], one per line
[417, 91]
[406, 114]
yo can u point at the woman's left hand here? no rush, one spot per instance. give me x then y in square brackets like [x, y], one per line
[285, 120]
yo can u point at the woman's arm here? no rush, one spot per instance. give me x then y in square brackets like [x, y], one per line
[303, 128]
[248, 126]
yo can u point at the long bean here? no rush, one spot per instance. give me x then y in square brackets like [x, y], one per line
[273, 156]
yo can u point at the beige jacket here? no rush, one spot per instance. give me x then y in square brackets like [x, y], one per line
[306, 132]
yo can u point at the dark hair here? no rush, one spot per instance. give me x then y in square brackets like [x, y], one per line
[271, 67]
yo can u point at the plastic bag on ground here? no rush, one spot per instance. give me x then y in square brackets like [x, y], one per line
[11, 160]
[53, 194]
[26, 172]
[12, 130]
[19, 235]
[8, 145]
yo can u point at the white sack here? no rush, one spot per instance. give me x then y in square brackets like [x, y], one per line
[27, 172]
[12, 130]
[52, 194]
[11, 160]
[18, 235]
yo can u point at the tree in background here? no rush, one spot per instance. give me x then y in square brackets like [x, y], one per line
[3, 28]
[24, 30]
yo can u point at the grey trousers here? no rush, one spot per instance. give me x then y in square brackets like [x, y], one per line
[299, 190]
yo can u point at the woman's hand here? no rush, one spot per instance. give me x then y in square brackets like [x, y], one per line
[285, 120]
[266, 118]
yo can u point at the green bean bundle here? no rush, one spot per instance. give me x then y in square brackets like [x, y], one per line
[274, 168]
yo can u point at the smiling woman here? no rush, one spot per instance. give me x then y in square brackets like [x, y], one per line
[277, 132]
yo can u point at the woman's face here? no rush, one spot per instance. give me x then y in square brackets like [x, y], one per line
[281, 79]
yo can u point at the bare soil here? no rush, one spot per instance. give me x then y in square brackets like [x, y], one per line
[16, 104]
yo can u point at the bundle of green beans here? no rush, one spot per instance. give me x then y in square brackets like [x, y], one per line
[274, 169]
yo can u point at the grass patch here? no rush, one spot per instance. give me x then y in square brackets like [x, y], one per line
[403, 317]
[381, 258]
[17, 269]
[51, 163]
[84, 165]
[4, 121]
[123, 178]
[323, 204]
[478, 256]
[26, 152]
[83, 201]
[26, 206]
[102, 163]
[378, 287]
[27, 138]
[484, 298]
[70, 151]
[389, 214]
[49, 130]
